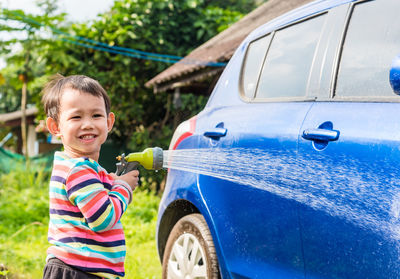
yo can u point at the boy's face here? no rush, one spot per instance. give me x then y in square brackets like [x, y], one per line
[83, 124]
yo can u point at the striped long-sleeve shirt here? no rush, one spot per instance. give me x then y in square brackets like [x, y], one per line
[85, 210]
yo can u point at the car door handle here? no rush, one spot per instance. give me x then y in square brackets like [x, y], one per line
[321, 134]
[216, 132]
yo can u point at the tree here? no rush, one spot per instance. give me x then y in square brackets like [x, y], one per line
[23, 69]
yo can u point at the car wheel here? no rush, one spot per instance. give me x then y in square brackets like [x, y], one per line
[190, 251]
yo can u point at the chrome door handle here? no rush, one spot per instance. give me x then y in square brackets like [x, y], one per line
[216, 132]
[321, 134]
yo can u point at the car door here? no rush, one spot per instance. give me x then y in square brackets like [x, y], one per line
[350, 155]
[252, 149]
[246, 186]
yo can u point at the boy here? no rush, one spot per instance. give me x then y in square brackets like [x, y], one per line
[86, 203]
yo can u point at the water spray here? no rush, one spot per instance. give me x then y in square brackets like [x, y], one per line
[340, 191]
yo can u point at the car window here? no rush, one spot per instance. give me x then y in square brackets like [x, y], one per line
[372, 42]
[252, 66]
[289, 59]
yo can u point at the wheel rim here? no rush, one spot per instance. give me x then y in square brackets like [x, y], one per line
[187, 259]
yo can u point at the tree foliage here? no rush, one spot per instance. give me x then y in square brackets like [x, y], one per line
[171, 27]
[29, 61]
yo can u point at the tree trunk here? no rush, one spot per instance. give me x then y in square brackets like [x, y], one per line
[23, 119]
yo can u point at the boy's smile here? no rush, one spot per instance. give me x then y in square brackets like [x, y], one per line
[83, 123]
[87, 138]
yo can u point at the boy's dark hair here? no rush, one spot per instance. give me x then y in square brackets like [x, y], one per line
[53, 91]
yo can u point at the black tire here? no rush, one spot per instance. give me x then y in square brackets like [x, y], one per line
[188, 232]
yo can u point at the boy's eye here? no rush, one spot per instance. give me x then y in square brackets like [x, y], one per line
[75, 117]
[97, 115]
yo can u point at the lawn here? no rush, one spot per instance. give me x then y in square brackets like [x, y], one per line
[24, 221]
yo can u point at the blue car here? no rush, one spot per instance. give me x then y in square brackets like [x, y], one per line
[292, 170]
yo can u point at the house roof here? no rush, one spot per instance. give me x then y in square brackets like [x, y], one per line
[219, 48]
[14, 118]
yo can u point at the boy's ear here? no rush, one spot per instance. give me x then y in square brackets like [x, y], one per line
[110, 121]
[52, 126]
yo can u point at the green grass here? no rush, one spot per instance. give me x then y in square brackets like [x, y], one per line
[24, 222]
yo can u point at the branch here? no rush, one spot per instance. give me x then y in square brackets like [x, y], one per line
[166, 117]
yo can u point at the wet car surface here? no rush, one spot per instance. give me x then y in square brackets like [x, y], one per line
[292, 168]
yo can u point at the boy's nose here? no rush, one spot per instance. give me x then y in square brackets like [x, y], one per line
[87, 124]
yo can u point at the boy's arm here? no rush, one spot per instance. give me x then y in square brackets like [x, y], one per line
[101, 209]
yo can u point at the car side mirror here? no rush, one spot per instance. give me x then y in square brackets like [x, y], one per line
[394, 76]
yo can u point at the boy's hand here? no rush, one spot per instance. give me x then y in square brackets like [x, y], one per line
[132, 178]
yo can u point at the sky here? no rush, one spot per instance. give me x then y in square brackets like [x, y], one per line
[77, 10]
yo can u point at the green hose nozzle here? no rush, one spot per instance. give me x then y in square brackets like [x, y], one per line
[150, 159]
